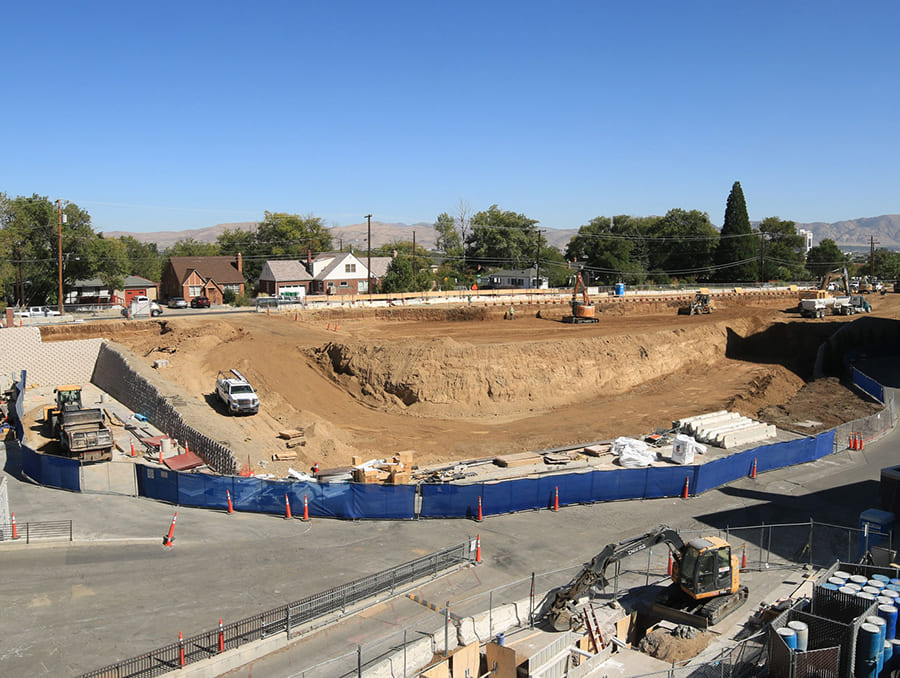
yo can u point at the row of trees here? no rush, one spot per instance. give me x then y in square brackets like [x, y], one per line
[681, 245]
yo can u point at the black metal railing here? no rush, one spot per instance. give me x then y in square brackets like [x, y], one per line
[30, 531]
[286, 618]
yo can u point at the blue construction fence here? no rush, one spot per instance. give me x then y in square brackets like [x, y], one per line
[365, 501]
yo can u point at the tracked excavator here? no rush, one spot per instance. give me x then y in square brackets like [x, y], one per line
[583, 309]
[705, 580]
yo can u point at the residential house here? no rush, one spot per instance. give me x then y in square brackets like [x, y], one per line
[525, 279]
[344, 273]
[287, 278]
[94, 291]
[211, 277]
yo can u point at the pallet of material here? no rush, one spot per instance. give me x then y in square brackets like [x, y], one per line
[597, 450]
[559, 457]
[284, 456]
[290, 434]
[520, 459]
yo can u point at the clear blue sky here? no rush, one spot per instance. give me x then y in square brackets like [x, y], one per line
[175, 115]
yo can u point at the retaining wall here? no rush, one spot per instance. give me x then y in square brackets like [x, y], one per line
[51, 364]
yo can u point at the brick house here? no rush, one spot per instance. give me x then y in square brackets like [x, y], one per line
[93, 291]
[191, 277]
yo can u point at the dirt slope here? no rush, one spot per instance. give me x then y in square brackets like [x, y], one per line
[464, 383]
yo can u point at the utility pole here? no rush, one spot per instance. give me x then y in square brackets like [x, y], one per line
[414, 256]
[59, 216]
[872, 259]
[369, 260]
[539, 258]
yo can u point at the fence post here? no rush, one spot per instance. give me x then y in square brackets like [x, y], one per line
[404, 653]
[70, 530]
[288, 623]
[811, 523]
[359, 661]
[491, 614]
[27, 533]
[531, 603]
[447, 630]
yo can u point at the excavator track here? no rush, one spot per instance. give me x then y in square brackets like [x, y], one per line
[672, 605]
[717, 609]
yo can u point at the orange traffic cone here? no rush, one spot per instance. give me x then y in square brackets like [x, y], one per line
[14, 529]
[687, 488]
[477, 548]
[556, 498]
[287, 508]
[230, 506]
[851, 445]
[180, 649]
[669, 566]
[169, 539]
[860, 443]
[753, 470]
[221, 638]
[305, 509]
[744, 559]
[132, 448]
[479, 517]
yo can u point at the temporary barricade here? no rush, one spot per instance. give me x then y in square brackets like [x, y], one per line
[51, 471]
[257, 495]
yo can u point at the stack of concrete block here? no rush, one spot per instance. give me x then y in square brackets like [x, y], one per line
[47, 364]
[726, 429]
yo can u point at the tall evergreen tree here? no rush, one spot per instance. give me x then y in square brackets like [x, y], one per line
[737, 242]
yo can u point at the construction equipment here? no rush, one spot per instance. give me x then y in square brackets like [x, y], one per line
[828, 285]
[583, 309]
[705, 574]
[237, 393]
[82, 433]
[702, 303]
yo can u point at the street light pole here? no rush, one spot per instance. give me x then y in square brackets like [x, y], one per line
[59, 217]
[369, 260]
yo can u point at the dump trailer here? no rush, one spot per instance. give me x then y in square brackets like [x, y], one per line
[705, 580]
[82, 433]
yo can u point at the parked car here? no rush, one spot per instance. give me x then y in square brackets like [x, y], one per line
[35, 312]
[200, 302]
[177, 302]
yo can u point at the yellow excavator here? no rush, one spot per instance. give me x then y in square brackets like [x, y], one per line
[583, 309]
[706, 585]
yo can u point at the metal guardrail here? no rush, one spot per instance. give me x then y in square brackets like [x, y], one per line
[286, 618]
[28, 532]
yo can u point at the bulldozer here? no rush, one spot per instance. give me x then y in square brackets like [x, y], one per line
[705, 586]
[582, 309]
[702, 303]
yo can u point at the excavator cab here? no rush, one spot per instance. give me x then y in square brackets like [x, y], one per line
[706, 569]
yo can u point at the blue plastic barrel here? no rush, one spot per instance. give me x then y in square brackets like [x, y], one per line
[877, 583]
[842, 574]
[881, 577]
[789, 636]
[867, 650]
[875, 620]
[829, 587]
[859, 579]
[888, 654]
[620, 289]
[889, 614]
[838, 581]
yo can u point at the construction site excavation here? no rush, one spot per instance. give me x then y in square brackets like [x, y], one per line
[447, 385]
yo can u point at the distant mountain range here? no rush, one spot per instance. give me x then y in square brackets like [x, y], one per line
[854, 233]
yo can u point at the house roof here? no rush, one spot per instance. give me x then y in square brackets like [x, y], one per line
[130, 281]
[222, 270]
[380, 266]
[335, 261]
[514, 273]
[284, 270]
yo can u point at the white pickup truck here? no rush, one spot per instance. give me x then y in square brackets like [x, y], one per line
[237, 393]
[36, 312]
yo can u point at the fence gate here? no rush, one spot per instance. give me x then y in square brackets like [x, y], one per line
[111, 477]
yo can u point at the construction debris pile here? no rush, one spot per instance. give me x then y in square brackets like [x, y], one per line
[726, 429]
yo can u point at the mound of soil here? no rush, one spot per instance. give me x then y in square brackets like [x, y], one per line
[663, 645]
[461, 383]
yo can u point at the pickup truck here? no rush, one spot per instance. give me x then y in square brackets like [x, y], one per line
[35, 312]
[237, 393]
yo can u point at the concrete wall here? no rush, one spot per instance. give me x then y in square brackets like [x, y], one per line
[47, 364]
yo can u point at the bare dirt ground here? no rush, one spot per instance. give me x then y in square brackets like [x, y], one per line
[462, 383]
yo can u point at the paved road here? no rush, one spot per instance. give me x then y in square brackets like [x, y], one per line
[115, 592]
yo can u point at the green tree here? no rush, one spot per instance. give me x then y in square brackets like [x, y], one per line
[503, 239]
[682, 244]
[554, 267]
[286, 236]
[144, 258]
[735, 258]
[449, 242]
[110, 261]
[609, 250]
[887, 264]
[780, 253]
[401, 277]
[825, 257]
[188, 247]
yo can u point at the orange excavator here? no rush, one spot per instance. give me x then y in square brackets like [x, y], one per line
[583, 309]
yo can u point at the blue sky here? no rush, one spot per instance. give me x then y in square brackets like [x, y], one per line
[176, 115]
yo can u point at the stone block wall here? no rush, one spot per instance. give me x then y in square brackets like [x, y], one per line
[125, 382]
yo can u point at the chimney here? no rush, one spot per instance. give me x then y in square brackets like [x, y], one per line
[240, 263]
[309, 259]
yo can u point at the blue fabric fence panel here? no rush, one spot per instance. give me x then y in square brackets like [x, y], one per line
[510, 496]
[867, 384]
[668, 481]
[450, 501]
[157, 483]
[718, 472]
[383, 501]
[779, 455]
[574, 488]
[245, 492]
[60, 472]
[200, 489]
[628, 483]
[31, 463]
[331, 500]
